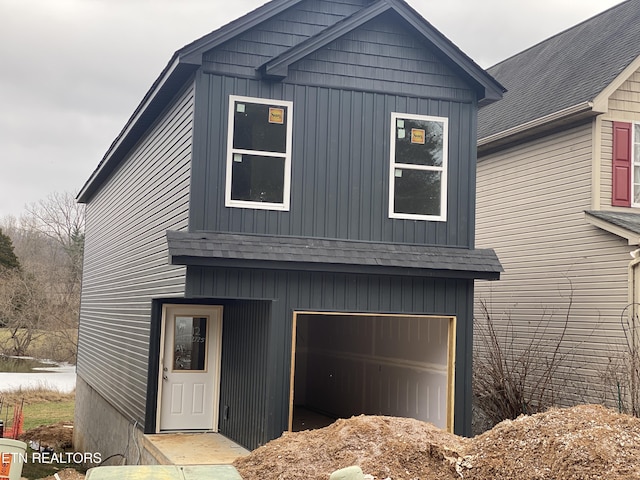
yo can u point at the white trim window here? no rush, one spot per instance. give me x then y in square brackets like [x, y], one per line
[418, 167]
[259, 153]
[635, 162]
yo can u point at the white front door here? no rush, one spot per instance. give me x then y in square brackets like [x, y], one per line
[190, 367]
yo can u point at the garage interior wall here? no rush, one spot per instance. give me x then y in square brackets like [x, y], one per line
[347, 365]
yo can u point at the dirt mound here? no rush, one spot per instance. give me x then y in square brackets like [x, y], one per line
[580, 443]
[58, 436]
[398, 448]
[67, 474]
[585, 442]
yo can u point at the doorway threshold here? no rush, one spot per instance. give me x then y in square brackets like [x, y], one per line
[193, 448]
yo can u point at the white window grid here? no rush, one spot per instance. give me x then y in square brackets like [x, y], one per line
[395, 116]
[229, 202]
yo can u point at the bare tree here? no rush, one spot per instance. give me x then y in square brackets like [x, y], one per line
[23, 309]
[49, 243]
[61, 218]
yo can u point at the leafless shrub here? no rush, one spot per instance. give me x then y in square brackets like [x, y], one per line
[514, 373]
[624, 371]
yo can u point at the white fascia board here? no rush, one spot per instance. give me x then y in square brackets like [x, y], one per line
[539, 122]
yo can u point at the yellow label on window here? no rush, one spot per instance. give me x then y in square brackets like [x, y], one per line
[276, 115]
[417, 136]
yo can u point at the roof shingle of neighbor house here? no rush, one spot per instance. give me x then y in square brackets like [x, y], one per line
[566, 70]
[627, 220]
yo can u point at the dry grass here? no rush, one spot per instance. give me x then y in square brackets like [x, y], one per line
[35, 395]
[40, 406]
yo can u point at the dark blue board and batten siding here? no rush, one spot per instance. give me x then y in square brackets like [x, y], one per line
[266, 389]
[243, 412]
[343, 97]
[125, 263]
[339, 186]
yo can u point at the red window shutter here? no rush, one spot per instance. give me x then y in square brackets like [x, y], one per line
[621, 191]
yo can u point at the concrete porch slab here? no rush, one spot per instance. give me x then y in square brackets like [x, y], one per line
[192, 448]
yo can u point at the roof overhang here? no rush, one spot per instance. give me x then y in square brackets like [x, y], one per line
[566, 117]
[573, 115]
[270, 252]
[172, 79]
[623, 224]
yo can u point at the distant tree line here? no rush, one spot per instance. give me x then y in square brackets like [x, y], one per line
[40, 274]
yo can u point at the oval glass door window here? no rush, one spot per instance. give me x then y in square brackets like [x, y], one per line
[190, 344]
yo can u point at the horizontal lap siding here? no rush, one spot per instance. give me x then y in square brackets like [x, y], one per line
[340, 165]
[126, 258]
[531, 202]
[624, 103]
[242, 55]
[606, 167]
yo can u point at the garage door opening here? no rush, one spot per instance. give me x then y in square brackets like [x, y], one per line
[350, 364]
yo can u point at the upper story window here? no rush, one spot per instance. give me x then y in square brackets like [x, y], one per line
[259, 153]
[418, 175]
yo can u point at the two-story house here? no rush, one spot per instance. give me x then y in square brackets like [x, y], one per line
[559, 198]
[286, 222]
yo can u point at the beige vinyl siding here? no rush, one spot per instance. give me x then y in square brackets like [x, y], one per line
[606, 158]
[624, 103]
[126, 260]
[531, 202]
[624, 106]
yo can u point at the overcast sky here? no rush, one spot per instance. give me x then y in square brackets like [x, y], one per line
[73, 71]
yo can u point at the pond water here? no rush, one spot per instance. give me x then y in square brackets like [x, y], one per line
[27, 373]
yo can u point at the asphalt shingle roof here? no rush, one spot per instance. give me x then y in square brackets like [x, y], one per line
[567, 69]
[627, 220]
[267, 251]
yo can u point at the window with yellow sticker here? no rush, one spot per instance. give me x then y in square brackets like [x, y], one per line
[418, 167]
[259, 153]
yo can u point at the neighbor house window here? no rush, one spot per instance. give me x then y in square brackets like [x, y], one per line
[259, 153]
[418, 175]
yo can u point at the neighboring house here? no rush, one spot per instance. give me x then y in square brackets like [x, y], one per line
[557, 199]
[287, 220]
